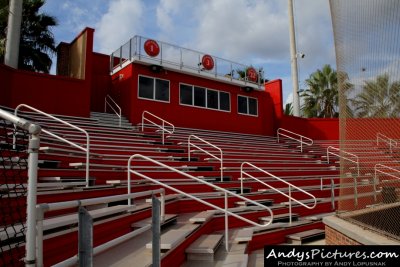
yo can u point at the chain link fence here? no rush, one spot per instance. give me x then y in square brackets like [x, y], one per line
[13, 192]
[368, 62]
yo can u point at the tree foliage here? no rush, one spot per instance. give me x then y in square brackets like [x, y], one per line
[37, 41]
[379, 98]
[321, 99]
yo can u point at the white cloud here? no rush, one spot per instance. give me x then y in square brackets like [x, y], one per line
[122, 21]
[289, 99]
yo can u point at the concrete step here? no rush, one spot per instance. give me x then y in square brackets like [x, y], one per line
[172, 238]
[201, 217]
[204, 247]
[265, 202]
[301, 237]
[285, 217]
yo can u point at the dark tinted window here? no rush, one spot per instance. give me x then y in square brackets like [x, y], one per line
[212, 99]
[224, 101]
[252, 106]
[199, 96]
[242, 104]
[162, 90]
[146, 87]
[186, 94]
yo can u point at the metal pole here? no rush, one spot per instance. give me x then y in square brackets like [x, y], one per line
[290, 205]
[85, 239]
[293, 61]
[34, 144]
[226, 223]
[156, 230]
[333, 193]
[13, 34]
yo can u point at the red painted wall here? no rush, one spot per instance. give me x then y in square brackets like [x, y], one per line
[101, 81]
[51, 93]
[317, 129]
[6, 74]
[125, 89]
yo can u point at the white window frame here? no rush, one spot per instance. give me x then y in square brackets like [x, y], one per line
[248, 109]
[154, 89]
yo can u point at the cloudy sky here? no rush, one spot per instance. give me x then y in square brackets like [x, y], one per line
[251, 32]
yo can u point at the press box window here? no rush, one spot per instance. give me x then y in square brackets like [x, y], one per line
[203, 97]
[247, 105]
[155, 89]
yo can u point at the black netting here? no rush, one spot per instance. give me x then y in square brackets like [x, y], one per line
[13, 191]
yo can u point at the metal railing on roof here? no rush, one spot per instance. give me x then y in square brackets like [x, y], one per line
[226, 193]
[179, 58]
[220, 158]
[109, 102]
[87, 149]
[290, 187]
[300, 138]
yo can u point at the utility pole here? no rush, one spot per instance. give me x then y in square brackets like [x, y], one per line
[293, 61]
[13, 33]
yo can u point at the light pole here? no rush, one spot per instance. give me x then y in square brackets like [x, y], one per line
[293, 61]
[13, 34]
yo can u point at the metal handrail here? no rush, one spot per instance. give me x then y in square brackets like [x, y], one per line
[45, 207]
[290, 186]
[310, 143]
[107, 102]
[205, 151]
[383, 172]
[162, 126]
[387, 140]
[31, 198]
[225, 210]
[357, 162]
[87, 149]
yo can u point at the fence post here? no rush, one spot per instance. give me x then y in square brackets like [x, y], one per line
[156, 230]
[85, 239]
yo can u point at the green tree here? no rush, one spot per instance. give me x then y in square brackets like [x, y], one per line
[379, 98]
[321, 99]
[37, 41]
[288, 109]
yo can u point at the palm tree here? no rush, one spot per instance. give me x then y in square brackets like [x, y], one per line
[321, 99]
[288, 109]
[37, 41]
[379, 98]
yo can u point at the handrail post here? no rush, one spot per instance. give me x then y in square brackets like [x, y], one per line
[222, 168]
[374, 184]
[333, 193]
[33, 150]
[87, 161]
[301, 144]
[355, 192]
[129, 181]
[241, 179]
[226, 223]
[290, 205]
[163, 127]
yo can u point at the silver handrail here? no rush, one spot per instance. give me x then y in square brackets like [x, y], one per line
[191, 144]
[45, 207]
[161, 127]
[357, 162]
[310, 143]
[383, 172]
[387, 140]
[107, 102]
[87, 149]
[225, 210]
[290, 186]
[31, 198]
